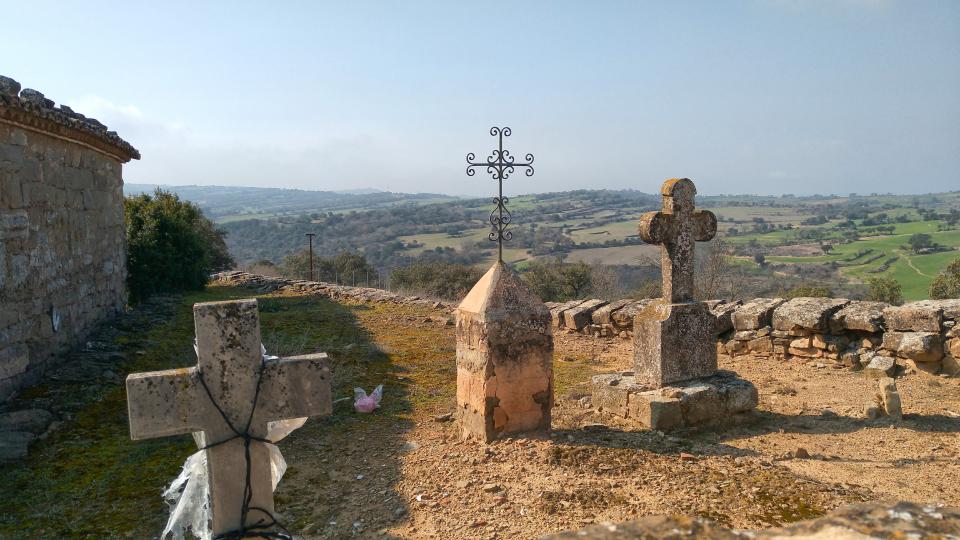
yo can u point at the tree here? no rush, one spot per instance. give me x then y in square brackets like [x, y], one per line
[171, 246]
[556, 281]
[885, 289]
[920, 241]
[947, 282]
[442, 280]
[345, 268]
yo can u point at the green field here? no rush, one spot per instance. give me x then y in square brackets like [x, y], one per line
[913, 272]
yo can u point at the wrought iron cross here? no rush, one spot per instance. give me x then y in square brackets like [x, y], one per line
[500, 164]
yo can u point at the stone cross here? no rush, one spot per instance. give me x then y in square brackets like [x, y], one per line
[675, 229]
[250, 392]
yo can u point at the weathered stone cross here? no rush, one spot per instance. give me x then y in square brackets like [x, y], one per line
[230, 375]
[675, 229]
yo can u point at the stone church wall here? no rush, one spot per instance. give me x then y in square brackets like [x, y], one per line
[62, 261]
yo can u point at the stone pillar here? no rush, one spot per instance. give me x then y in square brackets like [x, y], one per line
[504, 358]
[673, 343]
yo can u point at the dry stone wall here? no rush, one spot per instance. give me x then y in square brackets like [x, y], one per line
[62, 265]
[835, 332]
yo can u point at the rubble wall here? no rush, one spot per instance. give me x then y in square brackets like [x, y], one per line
[922, 336]
[62, 262]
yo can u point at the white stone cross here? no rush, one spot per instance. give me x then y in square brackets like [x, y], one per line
[675, 229]
[228, 373]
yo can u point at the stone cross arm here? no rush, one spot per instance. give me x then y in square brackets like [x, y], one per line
[173, 402]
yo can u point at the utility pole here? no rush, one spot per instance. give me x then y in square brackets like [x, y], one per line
[310, 236]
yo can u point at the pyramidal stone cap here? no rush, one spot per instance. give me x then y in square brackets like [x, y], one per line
[501, 291]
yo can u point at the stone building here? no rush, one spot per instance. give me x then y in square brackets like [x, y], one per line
[62, 264]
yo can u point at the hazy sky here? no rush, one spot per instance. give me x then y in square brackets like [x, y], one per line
[761, 96]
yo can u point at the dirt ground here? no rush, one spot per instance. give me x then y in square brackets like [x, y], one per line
[402, 471]
[413, 478]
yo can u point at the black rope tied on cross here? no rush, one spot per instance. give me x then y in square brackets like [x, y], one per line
[261, 528]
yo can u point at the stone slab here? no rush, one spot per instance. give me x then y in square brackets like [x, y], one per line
[623, 317]
[922, 316]
[806, 313]
[861, 316]
[755, 314]
[603, 314]
[580, 316]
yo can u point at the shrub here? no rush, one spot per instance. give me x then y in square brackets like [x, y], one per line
[442, 280]
[885, 289]
[947, 282]
[555, 281]
[345, 268]
[815, 291]
[171, 246]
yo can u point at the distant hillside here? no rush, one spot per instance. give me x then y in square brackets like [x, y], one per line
[231, 203]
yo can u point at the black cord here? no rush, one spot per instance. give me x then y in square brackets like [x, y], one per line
[262, 528]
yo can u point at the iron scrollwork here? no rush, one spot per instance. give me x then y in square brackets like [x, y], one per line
[500, 165]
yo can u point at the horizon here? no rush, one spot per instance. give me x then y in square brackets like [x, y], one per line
[653, 192]
[761, 97]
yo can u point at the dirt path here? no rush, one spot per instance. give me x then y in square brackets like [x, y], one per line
[915, 269]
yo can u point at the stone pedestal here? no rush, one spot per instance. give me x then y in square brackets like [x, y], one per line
[675, 381]
[673, 343]
[504, 358]
[718, 399]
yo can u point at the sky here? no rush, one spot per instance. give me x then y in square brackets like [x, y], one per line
[742, 96]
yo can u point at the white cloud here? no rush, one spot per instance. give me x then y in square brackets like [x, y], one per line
[126, 119]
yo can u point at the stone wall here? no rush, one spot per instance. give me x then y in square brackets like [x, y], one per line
[62, 263]
[838, 333]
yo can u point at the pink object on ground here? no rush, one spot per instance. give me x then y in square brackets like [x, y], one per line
[364, 403]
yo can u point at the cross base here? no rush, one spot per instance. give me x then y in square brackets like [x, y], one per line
[721, 399]
[673, 343]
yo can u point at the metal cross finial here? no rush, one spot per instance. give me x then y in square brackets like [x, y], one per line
[500, 164]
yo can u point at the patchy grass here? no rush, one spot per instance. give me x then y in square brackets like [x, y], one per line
[89, 480]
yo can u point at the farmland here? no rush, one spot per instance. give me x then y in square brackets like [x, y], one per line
[834, 241]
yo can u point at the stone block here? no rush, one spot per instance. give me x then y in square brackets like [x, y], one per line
[801, 343]
[950, 366]
[723, 311]
[674, 342]
[918, 346]
[580, 316]
[930, 368]
[602, 315]
[700, 403]
[761, 345]
[879, 366]
[623, 317]
[609, 395]
[739, 396]
[891, 398]
[858, 316]
[755, 314]
[807, 352]
[922, 316]
[14, 224]
[556, 314]
[656, 411]
[806, 313]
